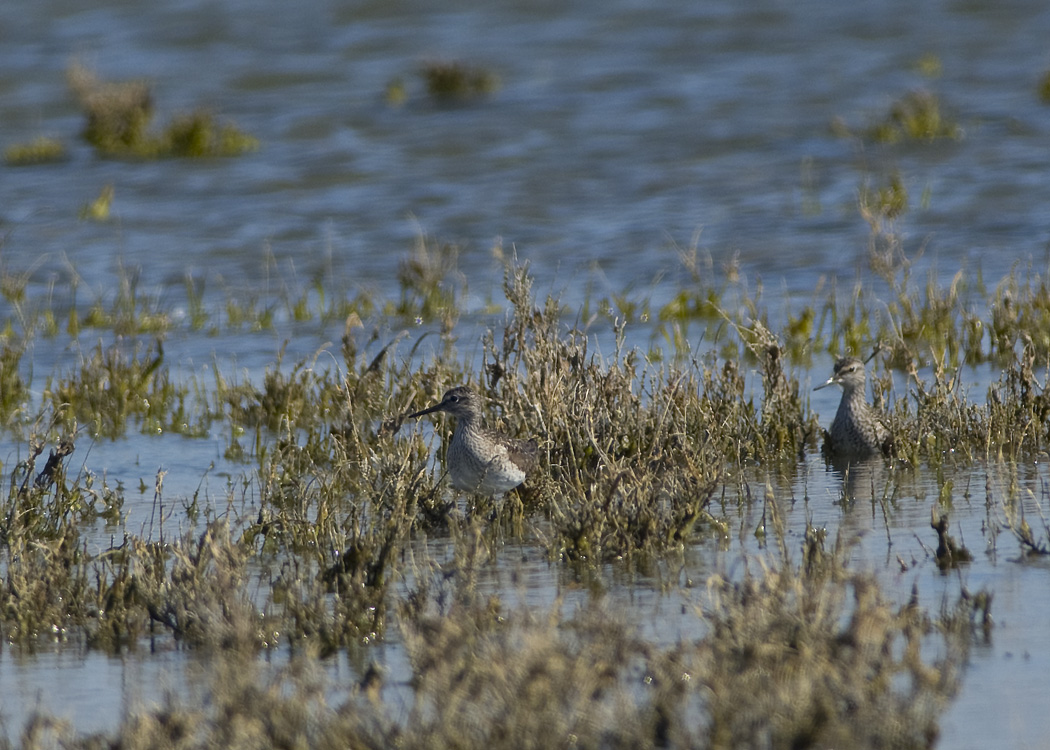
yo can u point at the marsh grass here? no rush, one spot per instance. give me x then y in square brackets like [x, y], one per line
[790, 656]
[13, 389]
[113, 386]
[1022, 512]
[346, 532]
[430, 283]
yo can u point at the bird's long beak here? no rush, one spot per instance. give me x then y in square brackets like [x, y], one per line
[429, 410]
[826, 383]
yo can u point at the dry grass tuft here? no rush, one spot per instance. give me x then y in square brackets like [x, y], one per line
[788, 657]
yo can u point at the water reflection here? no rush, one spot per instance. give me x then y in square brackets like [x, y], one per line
[863, 480]
[867, 491]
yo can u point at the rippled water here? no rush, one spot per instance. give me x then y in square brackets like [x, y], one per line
[622, 131]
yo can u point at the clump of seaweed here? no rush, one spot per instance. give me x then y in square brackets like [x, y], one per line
[394, 94]
[916, 116]
[40, 150]
[98, 209]
[456, 81]
[1043, 87]
[118, 117]
[117, 114]
[929, 64]
[198, 134]
[885, 202]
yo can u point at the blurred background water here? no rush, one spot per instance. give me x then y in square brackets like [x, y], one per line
[620, 130]
[622, 133]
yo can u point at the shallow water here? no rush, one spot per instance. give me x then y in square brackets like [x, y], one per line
[622, 132]
[619, 132]
[1002, 689]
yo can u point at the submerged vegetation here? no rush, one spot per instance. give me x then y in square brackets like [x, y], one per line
[1044, 87]
[41, 150]
[452, 80]
[916, 116]
[447, 82]
[118, 118]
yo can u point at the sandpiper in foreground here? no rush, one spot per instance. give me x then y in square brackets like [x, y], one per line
[479, 459]
[858, 429]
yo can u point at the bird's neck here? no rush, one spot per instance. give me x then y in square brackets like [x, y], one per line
[853, 397]
[466, 423]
